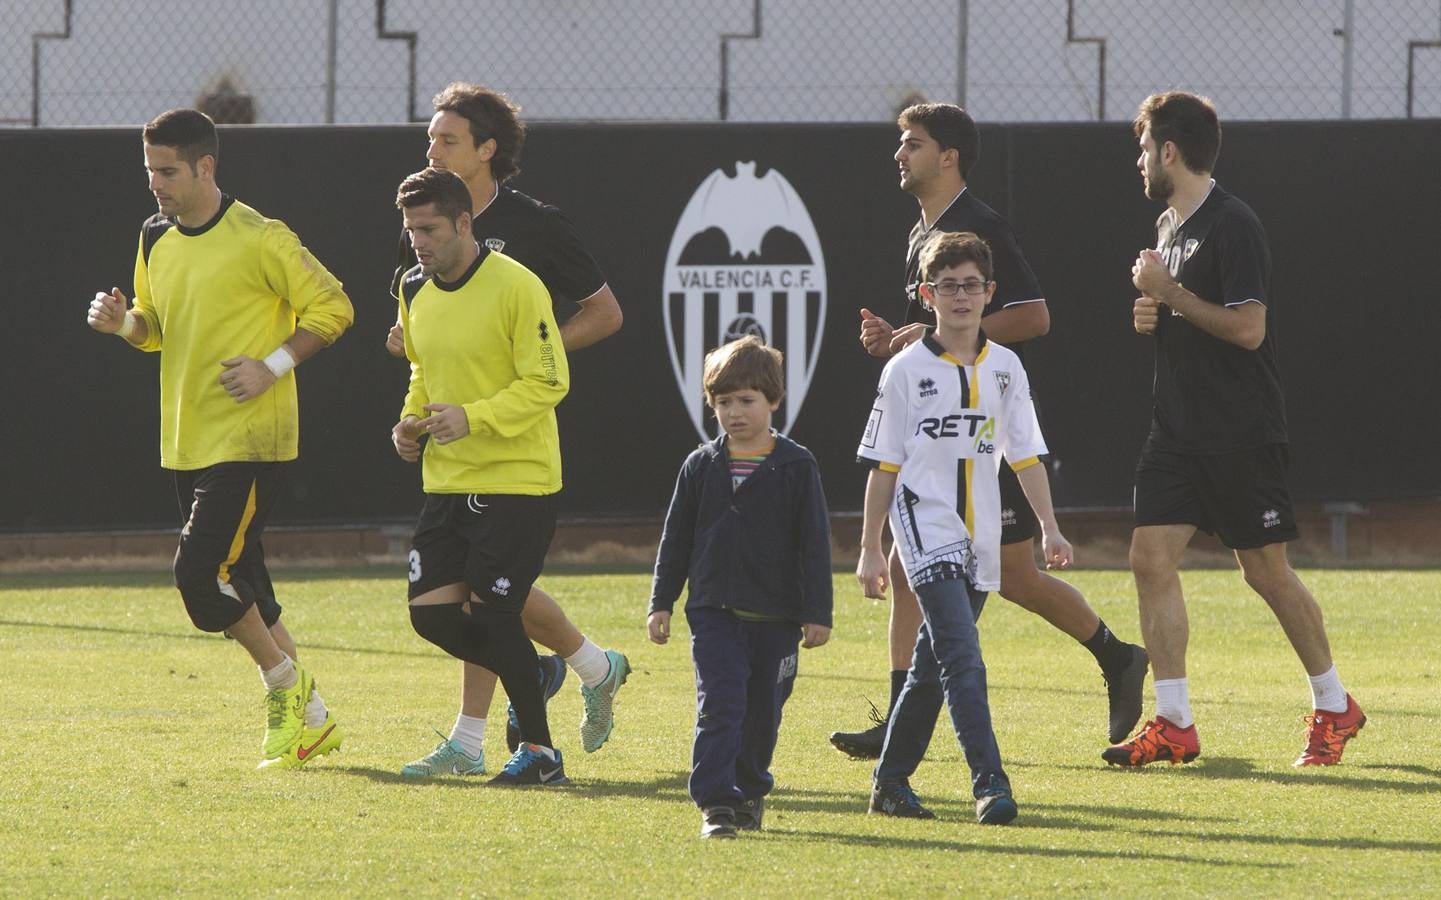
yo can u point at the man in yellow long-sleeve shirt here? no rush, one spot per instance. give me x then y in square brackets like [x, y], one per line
[487, 370]
[232, 302]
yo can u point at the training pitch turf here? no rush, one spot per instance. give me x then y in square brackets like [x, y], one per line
[130, 741]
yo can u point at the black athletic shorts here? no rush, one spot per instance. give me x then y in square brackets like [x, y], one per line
[224, 508]
[1241, 497]
[1018, 521]
[493, 543]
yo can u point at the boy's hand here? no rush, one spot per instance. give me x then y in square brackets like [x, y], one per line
[657, 625]
[872, 573]
[814, 635]
[1056, 549]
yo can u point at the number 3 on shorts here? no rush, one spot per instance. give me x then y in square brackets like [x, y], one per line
[414, 566]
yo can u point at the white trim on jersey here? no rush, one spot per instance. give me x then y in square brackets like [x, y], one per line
[926, 229]
[946, 426]
[1022, 302]
[595, 293]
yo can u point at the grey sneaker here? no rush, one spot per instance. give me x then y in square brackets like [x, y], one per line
[750, 813]
[995, 805]
[448, 758]
[599, 719]
[897, 799]
[718, 822]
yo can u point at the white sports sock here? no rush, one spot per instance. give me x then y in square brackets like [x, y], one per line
[469, 733]
[281, 677]
[1173, 700]
[315, 711]
[1326, 691]
[590, 663]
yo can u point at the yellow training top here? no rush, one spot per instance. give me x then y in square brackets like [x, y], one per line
[233, 286]
[489, 343]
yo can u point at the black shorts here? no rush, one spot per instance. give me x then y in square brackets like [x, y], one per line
[1018, 521]
[224, 509]
[1241, 497]
[493, 543]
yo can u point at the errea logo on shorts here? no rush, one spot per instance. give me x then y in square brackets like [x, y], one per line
[1270, 519]
[501, 586]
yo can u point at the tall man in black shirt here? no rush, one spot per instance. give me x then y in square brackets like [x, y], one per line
[1216, 455]
[478, 134]
[939, 145]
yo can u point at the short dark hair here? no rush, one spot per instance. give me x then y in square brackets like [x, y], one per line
[491, 115]
[745, 364]
[190, 131]
[950, 126]
[1187, 120]
[442, 187]
[948, 249]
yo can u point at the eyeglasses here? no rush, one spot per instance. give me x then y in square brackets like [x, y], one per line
[952, 288]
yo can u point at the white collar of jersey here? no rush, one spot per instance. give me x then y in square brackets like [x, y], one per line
[1171, 213]
[935, 347]
[493, 197]
[943, 212]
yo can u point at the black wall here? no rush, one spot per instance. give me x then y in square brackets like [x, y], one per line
[1350, 209]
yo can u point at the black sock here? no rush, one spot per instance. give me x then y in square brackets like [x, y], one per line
[513, 659]
[1110, 652]
[898, 681]
[495, 641]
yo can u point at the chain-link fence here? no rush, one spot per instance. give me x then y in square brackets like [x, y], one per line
[97, 62]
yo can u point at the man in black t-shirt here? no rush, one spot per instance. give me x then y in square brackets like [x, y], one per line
[477, 133]
[1216, 455]
[939, 144]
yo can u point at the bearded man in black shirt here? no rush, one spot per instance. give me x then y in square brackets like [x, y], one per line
[1217, 452]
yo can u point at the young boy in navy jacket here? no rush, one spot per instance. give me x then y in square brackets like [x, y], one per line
[748, 527]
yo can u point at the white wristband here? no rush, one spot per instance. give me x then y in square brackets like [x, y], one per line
[279, 362]
[127, 325]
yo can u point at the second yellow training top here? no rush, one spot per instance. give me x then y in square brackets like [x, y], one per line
[488, 342]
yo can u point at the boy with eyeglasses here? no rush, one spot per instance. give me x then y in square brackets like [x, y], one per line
[949, 406]
[939, 146]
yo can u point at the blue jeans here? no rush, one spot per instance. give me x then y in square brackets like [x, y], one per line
[947, 666]
[744, 672]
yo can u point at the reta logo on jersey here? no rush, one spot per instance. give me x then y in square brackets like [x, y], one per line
[950, 426]
[745, 259]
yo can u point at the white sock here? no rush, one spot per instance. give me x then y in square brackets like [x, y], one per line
[469, 733]
[1326, 691]
[1173, 700]
[315, 711]
[590, 663]
[281, 677]
[547, 752]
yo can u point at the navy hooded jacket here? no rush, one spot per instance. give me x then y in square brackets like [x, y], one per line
[764, 547]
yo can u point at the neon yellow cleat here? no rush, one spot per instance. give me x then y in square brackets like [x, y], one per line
[285, 715]
[313, 742]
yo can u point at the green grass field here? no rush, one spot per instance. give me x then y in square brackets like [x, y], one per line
[130, 740]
